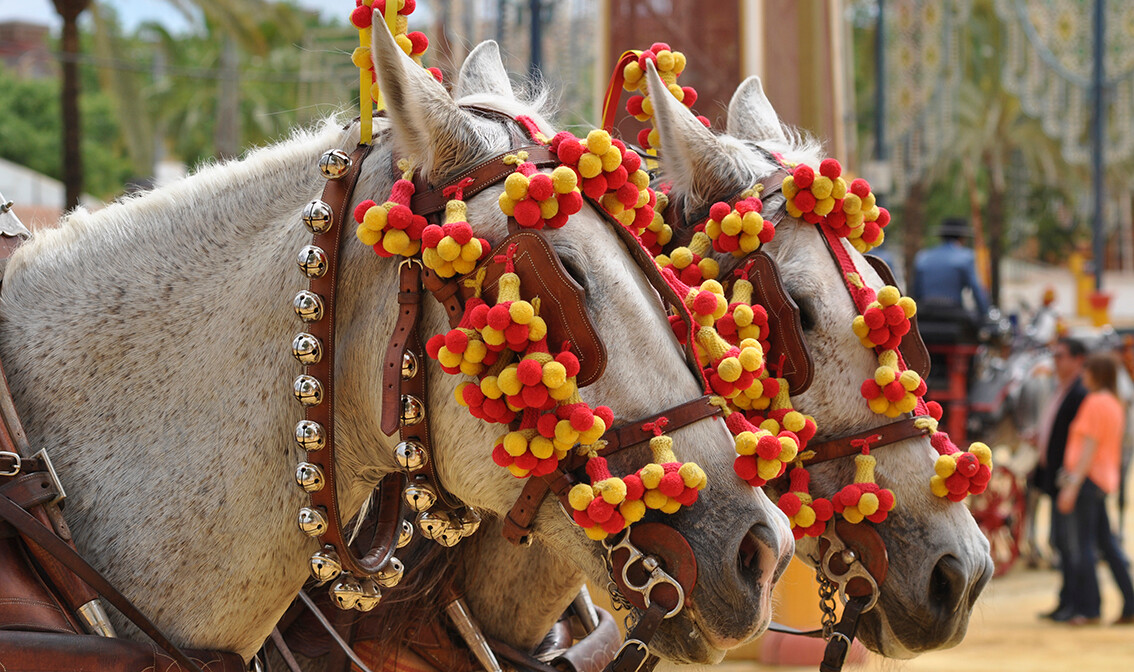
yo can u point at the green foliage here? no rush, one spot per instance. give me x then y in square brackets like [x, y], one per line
[31, 133]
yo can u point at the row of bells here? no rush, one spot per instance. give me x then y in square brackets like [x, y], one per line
[445, 527]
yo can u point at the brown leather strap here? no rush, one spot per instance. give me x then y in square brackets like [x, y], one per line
[30, 489]
[846, 446]
[447, 293]
[405, 330]
[53, 652]
[427, 200]
[631, 433]
[840, 642]
[285, 651]
[337, 194]
[44, 537]
[634, 656]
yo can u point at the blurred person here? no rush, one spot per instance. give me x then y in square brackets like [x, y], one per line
[1052, 431]
[1091, 472]
[1044, 327]
[943, 273]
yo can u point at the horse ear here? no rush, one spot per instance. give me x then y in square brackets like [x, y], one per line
[751, 116]
[483, 72]
[428, 124]
[700, 166]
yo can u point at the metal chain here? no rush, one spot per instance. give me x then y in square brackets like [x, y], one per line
[827, 590]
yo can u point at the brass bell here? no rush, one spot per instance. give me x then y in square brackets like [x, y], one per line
[469, 521]
[307, 348]
[317, 216]
[449, 537]
[312, 261]
[334, 164]
[370, 597]
[308, 306]
[409, 365]
[433, 523]
[345, 592]
[410, 455]
[309, 477]
[312, 521]
[325, 564]
[419, 497]
[413, 411]
[310, 435]
[391, 573]
[406, 535]
[308, 390]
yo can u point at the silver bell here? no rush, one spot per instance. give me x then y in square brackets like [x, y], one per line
[346, 592]
[410, 455]
[312, 521]
[419, 497]
[391, 573]
[433, 523]
[334, 164]
[409, 365]
[308, 306]
[309, 477]
[406, 535]
[469, 521]
[317, 216]
[310, 435]
[325, 564]
[307, 348]
[370, 597]
[308, 390]
[312, 261]
[413, 411]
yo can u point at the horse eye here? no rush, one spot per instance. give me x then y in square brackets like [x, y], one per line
[575, 271]
[806, 313]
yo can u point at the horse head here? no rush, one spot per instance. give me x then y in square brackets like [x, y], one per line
[737, 536]
[938, 559]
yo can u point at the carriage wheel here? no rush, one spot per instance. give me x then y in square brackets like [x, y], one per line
[1000, 512]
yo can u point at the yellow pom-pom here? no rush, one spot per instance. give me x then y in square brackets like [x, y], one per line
[884, 375]
[693, 475]
[730, 369]
[732, 224]
[564, 180]
[375, 218]
[909, 306]
[868, 503]
[490, 387]
[448, 249]
[794, 421]
[805, 517]
[654, 499]
[507, 205]
[751, 359]
[938, 487]
[448, 358]
[839, 188]
[647, 106]
[768, 469]
[982, 452]
[821, 187]
[671, 506]
[404, 43]
[515, 444]
[521, 312]
[632, 73]
[367, 236]
[611, 159]
[665, 60]
[878, 404]
[909, 380]
[746, 443]
[859, 327]
[396, 241]
[654, 138]
[677, 92]
[516, 186]
[852, 515]
[613, 490]
[709, 267]
[590, 165]
[598, 141]
[824, 207]
[678, 62]
[595, 533]
[945, 466]
[542, 447]
[594, 433]
[788, 449]
[518, 471]
[651, 475]
[889, 295]
[632, 510]
[361, 58]
[472, 250]
[580, 496]
[537, 329]
[509, 382]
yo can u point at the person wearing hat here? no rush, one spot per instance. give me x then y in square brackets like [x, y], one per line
[944, 272]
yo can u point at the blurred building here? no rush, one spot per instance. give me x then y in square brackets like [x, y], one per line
[24, 50]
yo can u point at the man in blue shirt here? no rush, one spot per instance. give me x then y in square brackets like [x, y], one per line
[942, 273]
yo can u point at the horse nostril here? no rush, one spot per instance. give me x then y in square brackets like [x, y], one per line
[749, 551]
[981, 581]
[759, 553]
[948, 584]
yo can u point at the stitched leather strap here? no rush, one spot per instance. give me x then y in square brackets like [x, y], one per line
[428, 200]
[846, 446]
[45, 538]
[635, 656]
[840, 642]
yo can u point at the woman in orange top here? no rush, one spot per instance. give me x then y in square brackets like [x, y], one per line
[1091, 471]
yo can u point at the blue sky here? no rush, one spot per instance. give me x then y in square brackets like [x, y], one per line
[133, 12]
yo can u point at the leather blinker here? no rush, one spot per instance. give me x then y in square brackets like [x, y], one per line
[562, 300]
[784, 323]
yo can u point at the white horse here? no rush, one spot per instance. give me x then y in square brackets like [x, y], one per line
[938, 559]
[147, 348]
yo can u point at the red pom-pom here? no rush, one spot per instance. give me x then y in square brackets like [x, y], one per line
[461, 232]
[643, 218]
[570, 203]
[432, 235]
[690, 96]
[527, 461]
[546, 425]
[634, 487]
[407, 7]
[606, 415]
[805, 201]
[719, 211]
[830, 168]
[570, 362]
[803, 175]
[362, 17]
[644, 138]
[935, 410]
[527, 214]
[671, 484]
[418, 42]
[595, 187]
[616, 179]
[631, 162]
[870, 389]
[557, 220]
[894, 391]
[627, 194]
[745, 467]
[360, 210]
[400, 217]
[860, 187]
[646, 57]
[704, 121]
[456, 340]
[634, 105]
[582, 419]
[789, 503]
[437, 74]
[433, 345]
[501, 456]
[883, 217]
[705, 303]
[659, 46]
[498, 317]
[768, 447]
[529, 372]
[540, 187]
[569, 150]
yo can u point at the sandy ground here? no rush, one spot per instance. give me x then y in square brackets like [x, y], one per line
[1005, 634]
